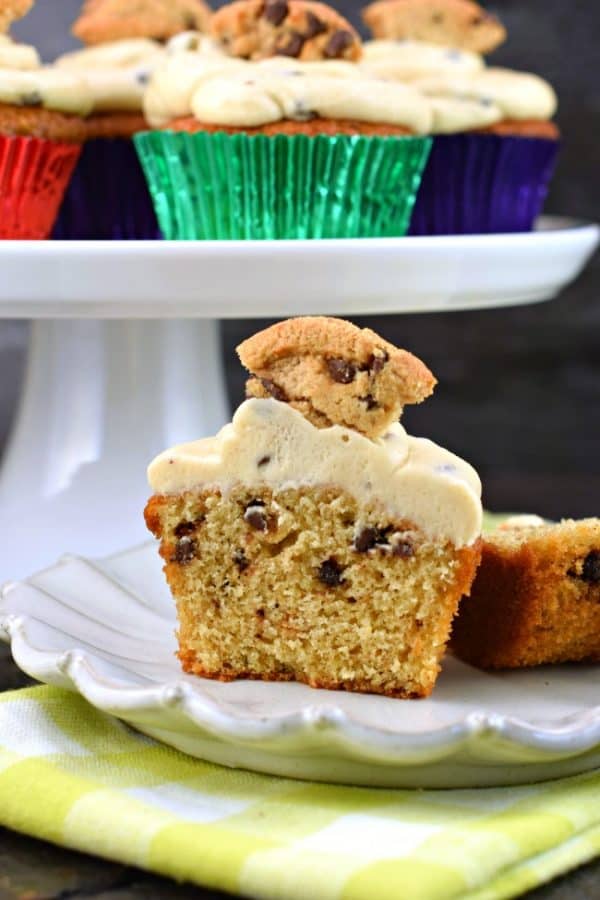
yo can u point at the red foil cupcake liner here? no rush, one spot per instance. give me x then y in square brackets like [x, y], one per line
[107, 198]
[483, 184]
[34, 174]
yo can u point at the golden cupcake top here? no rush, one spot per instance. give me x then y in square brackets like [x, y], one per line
[104, 21]
[462, 24]
[301, 29]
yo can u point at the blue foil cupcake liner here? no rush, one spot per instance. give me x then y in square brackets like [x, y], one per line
[483, 184]
[108, 197]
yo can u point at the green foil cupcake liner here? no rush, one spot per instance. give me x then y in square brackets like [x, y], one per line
[242, 187]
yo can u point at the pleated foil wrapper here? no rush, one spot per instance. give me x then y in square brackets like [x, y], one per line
[240, 187]
[483, 184]
[108, 197]
[34, 174]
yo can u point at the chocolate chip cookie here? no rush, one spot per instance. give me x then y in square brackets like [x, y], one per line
[335, 373]
[102, 21]
[253, 29]
[11, 10]
[453, 23]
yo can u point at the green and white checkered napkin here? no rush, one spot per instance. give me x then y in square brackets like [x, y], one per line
[79, 778]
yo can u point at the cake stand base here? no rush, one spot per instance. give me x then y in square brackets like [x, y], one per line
[101, 398]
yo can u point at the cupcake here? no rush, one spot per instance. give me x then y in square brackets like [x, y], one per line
[312, 539]
[299, 145]
[126, 41]
[41, 131]
[536, 598]
[495, 145]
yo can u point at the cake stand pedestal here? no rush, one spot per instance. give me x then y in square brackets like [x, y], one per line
[125, 358]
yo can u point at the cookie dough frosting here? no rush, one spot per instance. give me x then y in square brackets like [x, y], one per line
[236, 93]
[47, 88]
[17, 56]
[116, 73]
[407, 60]
[270, 443]
[518, 95]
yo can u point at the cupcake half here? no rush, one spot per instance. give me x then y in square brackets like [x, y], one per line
[312, 539]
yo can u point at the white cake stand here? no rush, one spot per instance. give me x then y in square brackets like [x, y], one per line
[125, 358]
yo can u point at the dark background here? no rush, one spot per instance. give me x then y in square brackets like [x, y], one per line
[519, 391]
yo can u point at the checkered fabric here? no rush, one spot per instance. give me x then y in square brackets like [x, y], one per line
[74, 776]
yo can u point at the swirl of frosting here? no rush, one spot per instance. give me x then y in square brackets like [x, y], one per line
[407, 60]
[171, 88]
[46, 87]
[116, 73]
[249, 94]
[519, 95]
[454, 114]
[17, 56]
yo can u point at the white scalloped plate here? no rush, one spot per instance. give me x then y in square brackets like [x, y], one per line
[105, 629]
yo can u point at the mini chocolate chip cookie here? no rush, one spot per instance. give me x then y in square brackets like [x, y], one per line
[255, 29]
[335, 373]
[453, 23]
[11, 10]
[102, 21]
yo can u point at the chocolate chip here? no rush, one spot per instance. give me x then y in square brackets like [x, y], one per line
[185, 550]
[274, 390]
[403, 549]
[369, 538]
[275, 11]
[591, 567]
[256, 518]
[263, 461]
[240, 559]
[351, 600]
[304, 115]
[376, 362]
[32, 98]
[142, 78]
[339, 41]
[314, 26]
[370, 401]
[184, 529]
[330, 573]
[290, 47]
[341, 371]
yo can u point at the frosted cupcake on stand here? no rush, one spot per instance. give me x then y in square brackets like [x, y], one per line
[41, 130]
[125, 42]
[495, 144]
[283, 136]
